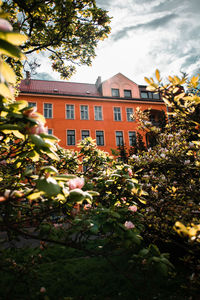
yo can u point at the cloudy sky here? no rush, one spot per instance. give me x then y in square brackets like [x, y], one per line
[145, 35]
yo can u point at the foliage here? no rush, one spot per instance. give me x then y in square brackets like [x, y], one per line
[67, 30]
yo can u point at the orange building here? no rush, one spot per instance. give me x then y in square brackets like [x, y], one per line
[102, 110]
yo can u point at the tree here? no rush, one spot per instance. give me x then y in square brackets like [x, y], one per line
[68, 30]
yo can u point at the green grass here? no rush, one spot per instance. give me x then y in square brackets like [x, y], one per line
[71, 274]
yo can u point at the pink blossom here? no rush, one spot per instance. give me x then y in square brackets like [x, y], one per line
[76, 183]
[31, 113]
[133, 208]
[5, 25]
[38, 129]
[87, 206]
[130, 172]
[3, 162]
[129, 225]
[42, 290]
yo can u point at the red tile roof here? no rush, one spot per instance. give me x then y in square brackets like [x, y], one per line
[58, 87]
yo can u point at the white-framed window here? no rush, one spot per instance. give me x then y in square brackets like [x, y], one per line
[98, 116]
[50, 131]
[119, 138]
[117, 114]
[48, 110]
[32, 104]
[127, 94]
[71, 137]
[132, 138]
[69, 111]
[129, 114]
[84, 112]
[84, 134]
[115, 92]
[100, 137]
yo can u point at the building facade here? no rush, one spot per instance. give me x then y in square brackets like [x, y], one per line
[102, 110]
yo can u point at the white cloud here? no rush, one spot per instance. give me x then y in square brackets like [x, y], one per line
[146, 34]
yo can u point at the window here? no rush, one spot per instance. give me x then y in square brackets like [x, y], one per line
[119, 138]
[84, 134]
[127, 94]
[100, 138]
[70, 112]
[144, 95]
[98, 113]
[132, 138]
[115, 92]
[129, 114]
[48, 110]
[117, 114]
[32, 104]
[84, 112]
[70, 137]
[50, 131]
[156, 96]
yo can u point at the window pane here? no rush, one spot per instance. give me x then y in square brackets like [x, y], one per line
[144, 95]
[48, 110]
[119, 138]
[70, 112]
[98, 113]
[132, 138]
[129, 114]
[127, 94]
[100, 138]
[32, 104]
[84, 112]
[156, 96]
[117, 114]
[115, 92]
[70, 137]
[50, 131]
[85, 134]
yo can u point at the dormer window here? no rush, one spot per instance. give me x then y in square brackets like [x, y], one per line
[115, 92]
[127, 94]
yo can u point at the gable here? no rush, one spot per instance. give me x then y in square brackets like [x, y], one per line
[122, 83]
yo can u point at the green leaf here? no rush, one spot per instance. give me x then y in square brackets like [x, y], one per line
[64, 177]
[10, 50]
[7, 72]
[77, 195]
[9, 127]
[50, 169]
[49, 186]
[93, 193]
[37, 140]
[14, 38]
[51, 154]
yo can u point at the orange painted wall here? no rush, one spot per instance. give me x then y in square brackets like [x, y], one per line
[60, 124]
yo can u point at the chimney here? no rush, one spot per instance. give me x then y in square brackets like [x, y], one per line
[28, 78]
[98, 84]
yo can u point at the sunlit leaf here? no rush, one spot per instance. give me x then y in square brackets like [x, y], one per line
[157, 75]
[7, 72]
[49, 186]
[14, 38]
[10, 50]
[5, 91]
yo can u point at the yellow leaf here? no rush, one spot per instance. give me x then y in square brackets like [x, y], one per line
[14, 38]
[7, 72]
[157, 75]
[18, 134]
[5, 92]
[35, 196]
[147, 80]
